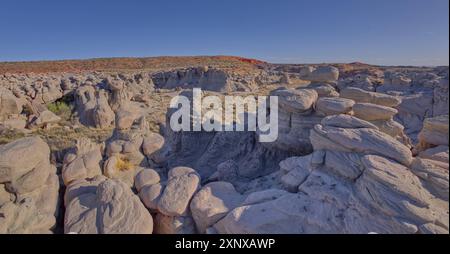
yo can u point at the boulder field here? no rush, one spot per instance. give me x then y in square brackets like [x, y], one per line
[355, 154]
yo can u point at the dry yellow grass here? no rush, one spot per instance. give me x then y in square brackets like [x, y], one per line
[123, 164]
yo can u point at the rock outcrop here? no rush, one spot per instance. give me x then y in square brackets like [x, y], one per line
[295, 118]
[28, 188]
[213, 202]
[169, 199]
[206, 78]
[83, 162]
[434, 132]
[345, 188]
[320, 74]
[104, 206]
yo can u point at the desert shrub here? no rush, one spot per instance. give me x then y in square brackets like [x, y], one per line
[60, 108]
[63, 106]
[123, 164]
[57, 107]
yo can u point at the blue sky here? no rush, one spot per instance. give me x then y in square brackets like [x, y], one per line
[390, 32]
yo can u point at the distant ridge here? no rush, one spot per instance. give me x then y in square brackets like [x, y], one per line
[127, 63]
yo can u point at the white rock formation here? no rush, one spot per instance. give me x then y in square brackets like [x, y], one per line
[213, 202]
[83, 162]
[104, 206]
[28, 188]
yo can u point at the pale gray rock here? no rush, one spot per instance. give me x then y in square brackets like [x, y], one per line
[329, 204]
[291, 163]
[32, 213]
[305, 71]
[333, 106]
[152, 143]
[226, 171]
[390, 127]
[435, 131]
[285, 79]
[46, 117]
[322, 74]
[438, 153]
[213, 202]
[108, 207]
[362, 96]
[83, 162]
[15, 123]
[25, 164]
[8, 104]
[360, 81]
[271, 217]
[367, 141]
[288, 214]
[206, 78]
[4, 195]
[295, 100]
[103, 115]
[127, 143]
[49, 91]
[182, 184]
[440, 98]
[317, 158]
[146, 177]
[434, 175]
[299, 169]
[293, 132]
[119, 96]
[263, 196]
[323, 89]
[346, 121]
[347, 165]
[412, 112]
[394, 190]
[294, 178]
[125, 118]
[396, 79]
[150, 195]
[28, 188]
[372, 112]
[85, 102]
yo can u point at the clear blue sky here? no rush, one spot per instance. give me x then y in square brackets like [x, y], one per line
[393, 32]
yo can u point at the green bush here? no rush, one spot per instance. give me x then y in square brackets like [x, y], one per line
[60, 108]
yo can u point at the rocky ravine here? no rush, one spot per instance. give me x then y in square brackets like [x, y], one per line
[358, 154]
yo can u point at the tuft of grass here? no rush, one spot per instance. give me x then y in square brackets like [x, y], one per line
[7, 136]
[60, 138]
[123, 164]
